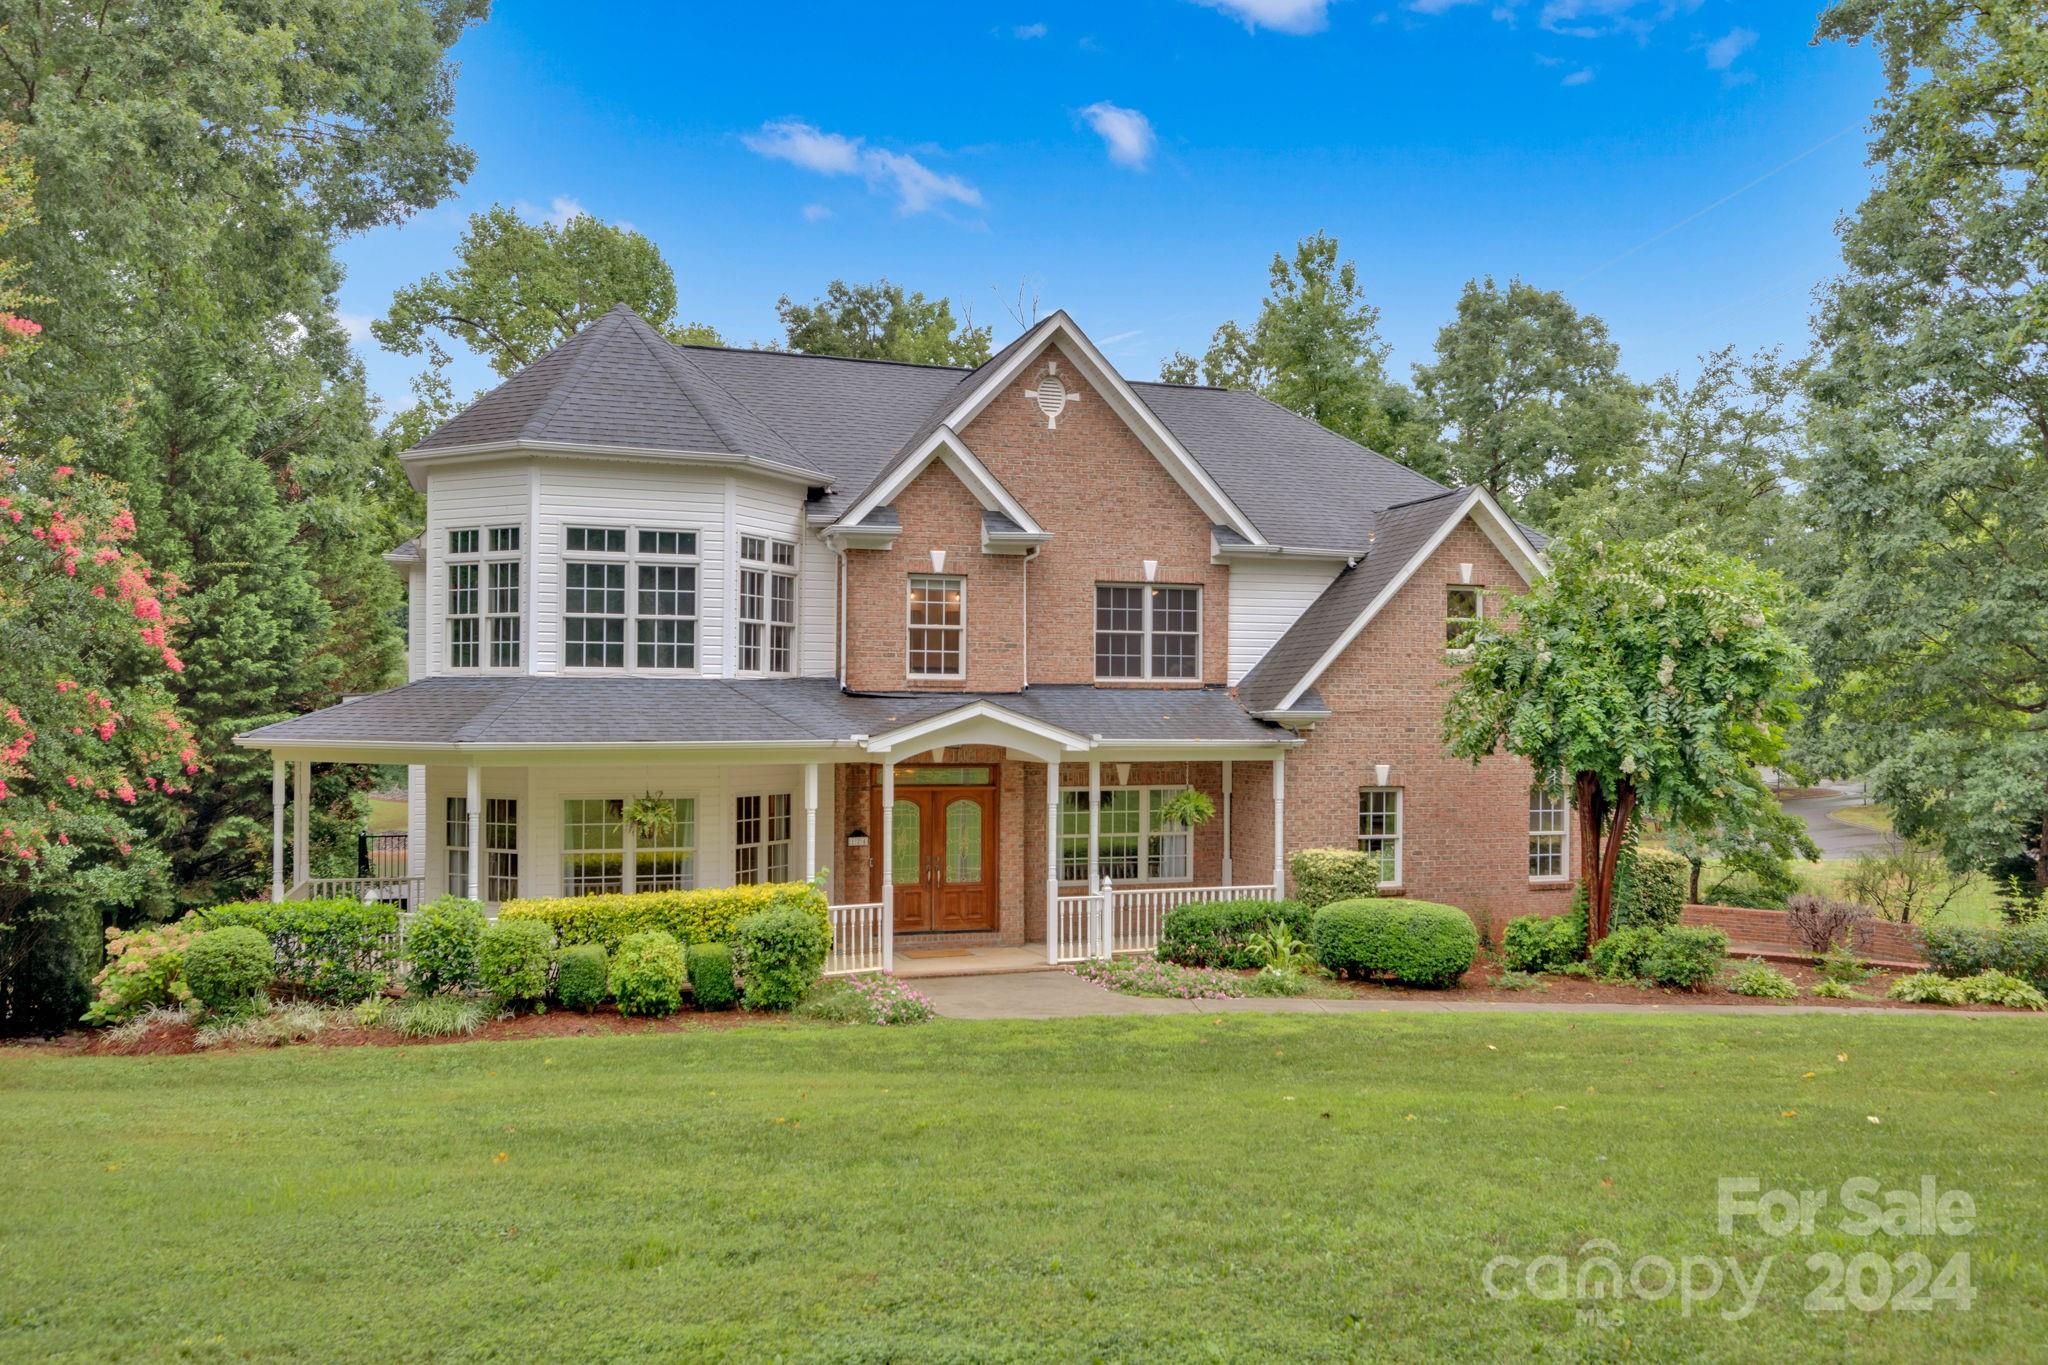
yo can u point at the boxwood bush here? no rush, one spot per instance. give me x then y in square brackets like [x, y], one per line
[1216, 933]
[1649, 889]
[647, 974]
[582, 977]
[777, 956]
[514, 959]
[227, 969]
[1323, 876]
[708, 915]
[440, 946]
[338, 949]
[1418, 943]
[711, 978]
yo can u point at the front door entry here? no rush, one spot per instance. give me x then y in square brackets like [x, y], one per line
[943, 858]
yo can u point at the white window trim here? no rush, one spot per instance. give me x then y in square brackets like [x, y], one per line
[909, 625]
[449, 847]
[793, 571]
[1146, 794]
[632, 557]
[1564, 837]
[1399, 836]
[1145, 673]
[1479, 606]
[518, 823]
[629, 840]
[483, 557]
[789, 857]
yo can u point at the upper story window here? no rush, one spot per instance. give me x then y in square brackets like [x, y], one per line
[767, 605]
[936, 644]
[1148, 631]
[1546, 834]
[1462, 609]
[619, 585]
[485, 571]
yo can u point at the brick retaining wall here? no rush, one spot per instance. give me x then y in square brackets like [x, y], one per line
[1771, 930]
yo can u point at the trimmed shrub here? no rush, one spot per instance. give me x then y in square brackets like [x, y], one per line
[513, 961]
[1623, 954]
[1964, 950]
[337, 949]
[1543, 943]
[707, 915]
[1928, 988]
[711, 978]
[1218, 933]
[1418, 943]
[1649, 889]
[2002, 988]
[647, 974]
[227, 970]
[1759, 978]
[582, 977]
[777, 955]
[1324, 876]
[440, 946]
[1687, 957]
[145, 970]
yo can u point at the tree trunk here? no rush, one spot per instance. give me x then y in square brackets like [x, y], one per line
[1591, 803]
[1600, 914]
[1693, 895]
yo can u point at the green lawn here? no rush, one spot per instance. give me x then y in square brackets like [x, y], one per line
[1188, 1187]
[386, 816]
[1865, 817]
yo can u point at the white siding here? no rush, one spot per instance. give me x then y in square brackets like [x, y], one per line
[541, 790]
[1266, 597]
[415, 622]
[818, 608]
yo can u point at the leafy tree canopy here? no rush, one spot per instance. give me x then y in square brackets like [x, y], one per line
[1529, 397]
[1929, 427]
[882, 321]
[1652, 677]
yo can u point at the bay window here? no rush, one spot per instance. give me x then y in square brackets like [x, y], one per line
[767, 605]
[485, 573]
[618, 586]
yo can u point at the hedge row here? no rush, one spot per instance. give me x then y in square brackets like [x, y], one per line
[708, 915]
[1218, 933]
[1966, 950]
[338, 950]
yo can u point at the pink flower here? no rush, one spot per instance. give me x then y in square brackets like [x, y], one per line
[105, 729]
[21, 327]
[63, 470]
[125, 792]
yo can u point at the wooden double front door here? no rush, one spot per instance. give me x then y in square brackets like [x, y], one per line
[943, 852]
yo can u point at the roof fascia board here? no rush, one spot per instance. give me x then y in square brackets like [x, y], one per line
[943, 444]
[489, 450]
[890, 741]
[1227, 553]
[1186, 470]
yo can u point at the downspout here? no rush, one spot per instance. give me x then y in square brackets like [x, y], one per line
[1029, 555]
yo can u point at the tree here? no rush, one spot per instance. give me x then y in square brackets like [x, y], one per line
[1652, 677]
[1529, 397]
[1723, 451]
[520, 289]
[882, 321]
[1316, 350]
[90, 737]
[1929, 425]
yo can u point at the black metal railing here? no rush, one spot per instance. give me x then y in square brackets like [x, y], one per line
[381, 855]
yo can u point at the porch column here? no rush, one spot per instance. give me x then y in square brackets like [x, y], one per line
[811, 821]
[474, 802]
[886, 836]
[276, 829]
[1052, 860]
[1094, 826]
[1280, 826]
[1229, 876]
[302, 821]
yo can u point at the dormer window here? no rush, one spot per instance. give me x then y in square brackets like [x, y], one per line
[485, 569]
[767, 605]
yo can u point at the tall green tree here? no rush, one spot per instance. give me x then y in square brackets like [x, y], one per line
[1529, 397]
[1315, 348]
[1651, 678]
[1929, 421]
[882, 321]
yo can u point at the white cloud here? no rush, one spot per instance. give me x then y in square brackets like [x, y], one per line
[1282, 16]
[1126, 132]
[1583, 76]
[916, 186]
[1722, 52]
[1028, 31]
[1436, 6]
[816, 213]
[357, 325]
[1121, 336]
[562, 208]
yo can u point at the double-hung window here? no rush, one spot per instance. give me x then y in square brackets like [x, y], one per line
[629, 598]
[938, 627]
[761, 838]
[501, 848]
[1379, 829]
[457, 833]
[603, 852]
[767, 605]
[1137, 843]
[1462, 609]
[485, 569]
[1547, 816]
[665, 859]
[1145, 631]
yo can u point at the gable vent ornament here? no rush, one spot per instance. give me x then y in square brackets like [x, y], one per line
[1051, 395]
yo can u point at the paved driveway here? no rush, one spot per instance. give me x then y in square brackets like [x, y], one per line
[1836, 839]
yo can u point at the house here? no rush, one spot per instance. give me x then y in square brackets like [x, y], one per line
[1017, 608]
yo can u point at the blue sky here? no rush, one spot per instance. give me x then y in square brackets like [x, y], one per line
[1140, 163]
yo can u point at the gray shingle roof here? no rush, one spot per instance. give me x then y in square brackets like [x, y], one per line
[1398, 533]
[612, 712]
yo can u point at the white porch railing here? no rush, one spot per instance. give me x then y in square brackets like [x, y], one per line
[858, 941]
[1141, 911]
[1074, 933]
[410, 892]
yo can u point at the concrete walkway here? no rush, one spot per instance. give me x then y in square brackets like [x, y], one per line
[1062, 995]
